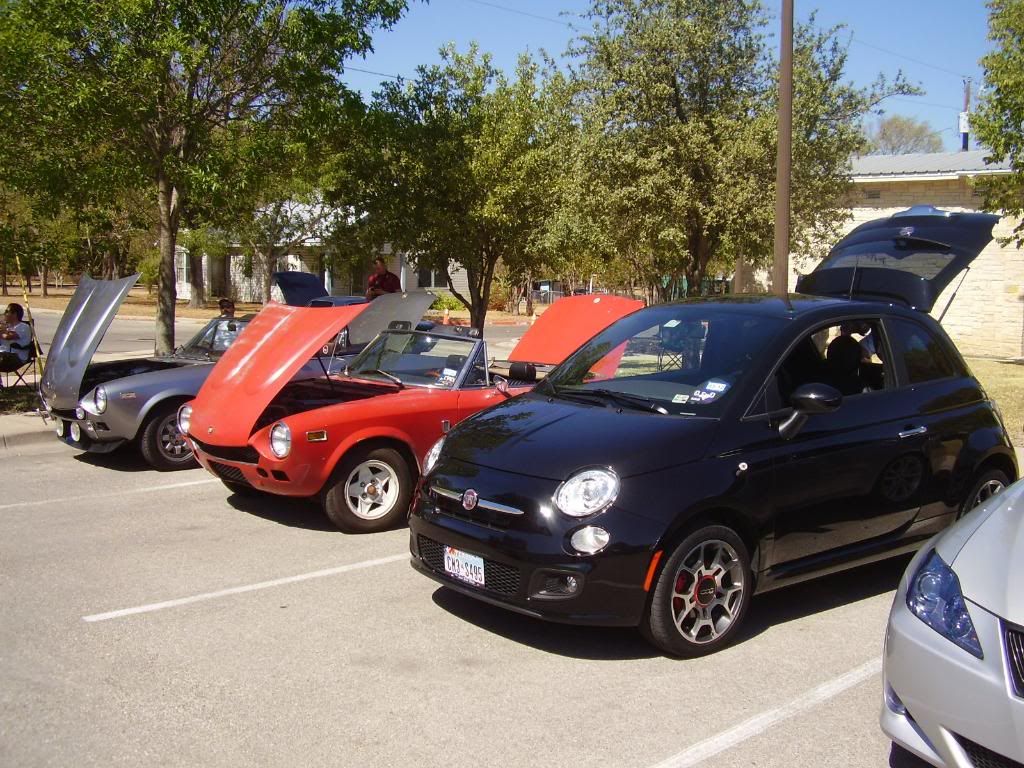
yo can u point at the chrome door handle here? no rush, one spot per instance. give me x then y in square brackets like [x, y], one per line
[912, 432]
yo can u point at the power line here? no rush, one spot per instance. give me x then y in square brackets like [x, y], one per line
[520, 12]
[372, 72]
[924, 103]
[857, 40]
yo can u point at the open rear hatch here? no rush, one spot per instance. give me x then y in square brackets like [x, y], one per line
[272, 349]
[909, 257]
[79, 333]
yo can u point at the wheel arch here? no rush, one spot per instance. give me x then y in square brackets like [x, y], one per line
[997, 460]
[368, 440]
[731, 517]
[156, 403]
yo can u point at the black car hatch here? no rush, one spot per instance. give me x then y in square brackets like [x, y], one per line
[909, 257]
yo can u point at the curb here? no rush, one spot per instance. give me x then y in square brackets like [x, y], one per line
[21, 439]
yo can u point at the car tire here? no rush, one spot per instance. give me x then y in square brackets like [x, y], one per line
[352, 508]
[701, 596]
[988, 484]
[161, 443]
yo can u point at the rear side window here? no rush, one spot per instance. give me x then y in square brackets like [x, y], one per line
[922, 355]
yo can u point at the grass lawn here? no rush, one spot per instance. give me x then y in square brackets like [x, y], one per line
[1004, 383]
[18, 399]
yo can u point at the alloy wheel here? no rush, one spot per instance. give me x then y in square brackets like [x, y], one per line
[371, 490]
[171, 442]
[986, 492]
[707, 592]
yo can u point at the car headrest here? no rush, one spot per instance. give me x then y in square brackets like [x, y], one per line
[400, 325]
[844, 354]
[455, 361]
[519, 371]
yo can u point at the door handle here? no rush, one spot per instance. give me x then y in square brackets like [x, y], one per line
[911, 432]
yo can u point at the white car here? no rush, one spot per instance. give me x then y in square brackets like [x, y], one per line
[954, 648]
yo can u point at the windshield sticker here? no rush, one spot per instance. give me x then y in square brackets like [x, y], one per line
[449, 372]
[681, 399]
[716, 385]
[671, 324]
[703, 396]
[446, 379]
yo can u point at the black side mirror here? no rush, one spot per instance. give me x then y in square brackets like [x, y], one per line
[808, 400]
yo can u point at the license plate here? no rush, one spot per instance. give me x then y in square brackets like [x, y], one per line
[464, 566]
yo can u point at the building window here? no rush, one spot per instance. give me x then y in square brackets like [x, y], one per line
[181, 267]
[431, 278]
[872, 194]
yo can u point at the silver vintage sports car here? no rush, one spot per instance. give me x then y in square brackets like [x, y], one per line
[98, 407]
[954, 650]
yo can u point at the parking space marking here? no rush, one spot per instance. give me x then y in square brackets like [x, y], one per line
[149, 608]
[112, 495]
[758, 724]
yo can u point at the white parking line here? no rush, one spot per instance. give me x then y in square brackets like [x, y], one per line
[247, 588]
[758, 724]
[111, 495]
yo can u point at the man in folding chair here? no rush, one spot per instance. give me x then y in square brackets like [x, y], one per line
[15, 339]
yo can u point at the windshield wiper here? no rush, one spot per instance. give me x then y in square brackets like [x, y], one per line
[622, 398]
[385, 374]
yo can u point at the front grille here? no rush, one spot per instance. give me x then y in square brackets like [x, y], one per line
[229, 473]
[498, 577]
[1015, 657]
[248, 454]
[985, 758]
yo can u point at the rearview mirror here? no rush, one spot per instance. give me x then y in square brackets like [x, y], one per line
[501, 384]
[808, 400]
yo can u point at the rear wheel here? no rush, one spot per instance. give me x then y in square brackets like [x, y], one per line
[702, 594]
[162, 443]
[369, 491]
[987, 485]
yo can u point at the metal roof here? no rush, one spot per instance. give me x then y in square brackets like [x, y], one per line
[923, 166]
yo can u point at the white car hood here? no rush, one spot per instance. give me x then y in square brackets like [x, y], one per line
[990, 563]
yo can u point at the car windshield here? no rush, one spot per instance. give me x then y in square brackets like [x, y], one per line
[216, 337]
[682, 359]
[414, 358]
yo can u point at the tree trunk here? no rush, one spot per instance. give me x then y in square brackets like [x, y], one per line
[3, 275]
[195, 279]
[44, 275]
[167, 226]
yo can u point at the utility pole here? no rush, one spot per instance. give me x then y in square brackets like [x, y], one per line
[965, 117]
[784, 157]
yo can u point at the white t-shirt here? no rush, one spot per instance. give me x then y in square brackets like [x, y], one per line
[24, 338]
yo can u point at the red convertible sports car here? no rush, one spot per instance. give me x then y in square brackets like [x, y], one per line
[356, 439]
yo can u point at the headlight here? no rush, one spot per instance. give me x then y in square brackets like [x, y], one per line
[934, 597]
[587, 492]
[184, 418]
[100, 399]
[280, 440]
[432, 456]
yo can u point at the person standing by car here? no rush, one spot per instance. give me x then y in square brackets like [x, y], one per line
[227, 307]
[382, 280]
[15, 331]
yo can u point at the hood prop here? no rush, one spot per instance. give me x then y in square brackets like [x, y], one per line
[955, 291]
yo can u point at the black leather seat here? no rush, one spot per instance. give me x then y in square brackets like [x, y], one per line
[842, 360]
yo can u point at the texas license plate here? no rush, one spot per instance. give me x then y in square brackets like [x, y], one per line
[464, 566]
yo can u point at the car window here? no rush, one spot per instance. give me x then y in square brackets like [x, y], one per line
[921, 354]
[415, 358]
[477, 374]
[684, 359]
[922, 258]
[849, 356]
[215, 338]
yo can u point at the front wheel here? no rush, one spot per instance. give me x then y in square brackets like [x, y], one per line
[162, 443]
[702, 594]
[370, 491]
[985, 487]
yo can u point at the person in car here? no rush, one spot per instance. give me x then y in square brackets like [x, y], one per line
[14, 331]
[382, 280]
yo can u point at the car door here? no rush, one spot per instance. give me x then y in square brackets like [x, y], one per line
[851, 476]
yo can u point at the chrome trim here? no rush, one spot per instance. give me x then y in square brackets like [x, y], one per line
[481, 503]
[912, 432]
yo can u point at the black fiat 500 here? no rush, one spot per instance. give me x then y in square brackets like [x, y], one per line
[694, 454]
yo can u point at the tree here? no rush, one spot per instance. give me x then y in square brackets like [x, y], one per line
[447, 171]
[898, 135]
[175, 83]
[675, 160]
[999, 122]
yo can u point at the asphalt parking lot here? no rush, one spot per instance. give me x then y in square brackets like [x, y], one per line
[154, 619]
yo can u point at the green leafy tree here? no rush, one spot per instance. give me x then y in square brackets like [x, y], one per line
[999, 123]
[176, 84]
[899, 135]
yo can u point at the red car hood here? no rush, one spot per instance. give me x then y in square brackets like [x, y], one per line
[264, 357]
[568, 324]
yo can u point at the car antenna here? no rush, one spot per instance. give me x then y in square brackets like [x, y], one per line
[955, 291]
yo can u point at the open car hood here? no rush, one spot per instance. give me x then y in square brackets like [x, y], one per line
[272, 349]
[298, 288]
[568, 324]
[909, 257]
[79, 333]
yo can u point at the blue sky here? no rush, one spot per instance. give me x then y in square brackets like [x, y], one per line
[934, 42]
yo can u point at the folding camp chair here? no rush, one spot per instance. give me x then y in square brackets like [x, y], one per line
[19, 371]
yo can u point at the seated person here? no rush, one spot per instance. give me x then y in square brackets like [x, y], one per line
[14, 330]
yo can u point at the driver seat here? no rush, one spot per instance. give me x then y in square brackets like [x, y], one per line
[842, 360]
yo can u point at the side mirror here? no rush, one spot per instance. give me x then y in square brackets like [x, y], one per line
[808, 400]
[501, 384]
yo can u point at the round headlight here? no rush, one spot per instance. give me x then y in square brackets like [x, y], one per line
[280, 440]
[184, 418]
[587, 492]
[432, 456]
[79, 412]
[101, 399]
[76, 432]
[590, 540]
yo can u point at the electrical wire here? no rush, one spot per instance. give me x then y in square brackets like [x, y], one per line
[520, 12]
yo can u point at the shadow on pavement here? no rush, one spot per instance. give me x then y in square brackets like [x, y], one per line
[120, 460]
[295, 513]
[900, 758]
[606, 643]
